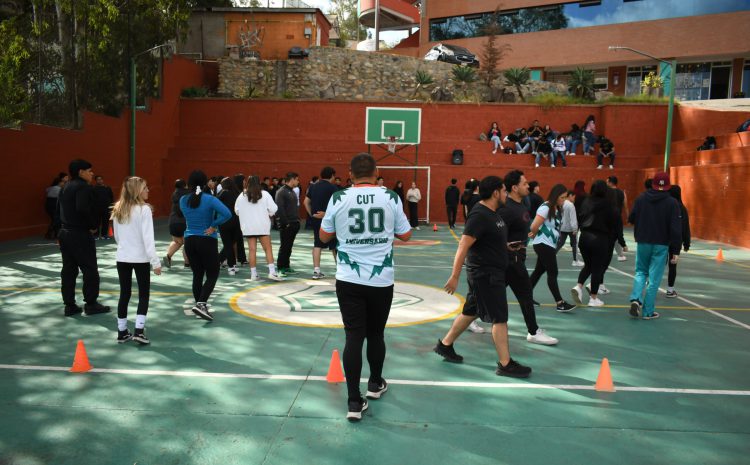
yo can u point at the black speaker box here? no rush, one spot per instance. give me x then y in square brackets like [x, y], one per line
[458, 157]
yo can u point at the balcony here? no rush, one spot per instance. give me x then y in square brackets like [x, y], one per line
[394, 14]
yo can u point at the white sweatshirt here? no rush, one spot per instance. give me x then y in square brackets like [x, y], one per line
[135, 239]
[255, 218]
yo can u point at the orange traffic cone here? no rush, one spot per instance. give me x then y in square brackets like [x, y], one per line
[111, 233]
[81, 361]
[335, 373]
[604, 380]
[434, 227]
[720, 256]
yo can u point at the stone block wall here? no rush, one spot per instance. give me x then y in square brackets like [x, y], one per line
[335, 73]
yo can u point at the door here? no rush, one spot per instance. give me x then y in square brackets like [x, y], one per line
[720, 82]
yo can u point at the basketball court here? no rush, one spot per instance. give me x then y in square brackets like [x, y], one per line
[250, 387]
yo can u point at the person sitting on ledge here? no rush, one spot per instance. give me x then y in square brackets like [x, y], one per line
[521, 140]
[494, 135]
[606, 149]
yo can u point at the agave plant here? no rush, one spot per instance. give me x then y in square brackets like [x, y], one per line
[517, 77]
[423, 79]
[463, 76]
[581, 83]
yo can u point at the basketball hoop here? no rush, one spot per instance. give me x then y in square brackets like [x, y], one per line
[392, 144]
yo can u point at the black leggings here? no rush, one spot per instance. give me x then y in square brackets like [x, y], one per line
[594, 248]
[546, 261]
[204, 261]
[573, 242]
[364, 310]
[672, 275]
[413, 214]
[231, 236]
[143, 277]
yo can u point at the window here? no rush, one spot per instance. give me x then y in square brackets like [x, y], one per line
[576, 14]
[635, 77]
[693, 81]
[746, 78]
[562, 77]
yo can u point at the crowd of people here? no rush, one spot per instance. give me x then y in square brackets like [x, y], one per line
[544, 143]
[503, 217]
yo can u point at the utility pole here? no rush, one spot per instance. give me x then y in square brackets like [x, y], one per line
[377, 25]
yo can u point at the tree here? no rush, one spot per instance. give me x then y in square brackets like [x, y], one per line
[492, 52]
[581, 83]
[518, 77]
[347, 20]
[79, 54]
[13, 55]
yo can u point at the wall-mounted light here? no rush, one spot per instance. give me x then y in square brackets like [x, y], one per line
[616, 79]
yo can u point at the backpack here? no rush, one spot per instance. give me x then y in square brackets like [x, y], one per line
[708, 144]
[744, 126]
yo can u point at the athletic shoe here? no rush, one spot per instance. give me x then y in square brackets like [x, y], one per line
[140, 337]
[255, 278]
[611, 167]
[287, 271]
[595, 302]
[602, 290]
[564, 307]
[95, 309]
[542, 338]
[536, 165]
[376, 390]
[123, 336]
[671, 294]
[551, 166]
[599, 167]
[167, 262]
[513, 369]
[201, 311]
[447, 352]
[275, 277]
[475, 328]
[621, 258]
[635, 309]
[578, 263]
[224, 264]
[356, 409]
[417, 228]
[577, 294]
[232, 271]
[71, 310]
[536, 304]
[653, 316]
[318, 275]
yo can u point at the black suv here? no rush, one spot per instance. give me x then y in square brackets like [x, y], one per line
[298, 52]
[452, 54]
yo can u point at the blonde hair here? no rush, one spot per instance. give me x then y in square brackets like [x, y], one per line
[130, 196]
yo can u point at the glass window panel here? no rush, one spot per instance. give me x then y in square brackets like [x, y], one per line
[578, 14]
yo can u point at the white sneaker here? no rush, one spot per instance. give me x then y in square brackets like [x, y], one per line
[611, 167]
[536, 165]
[577, 294]
[621, 258]
[602, 289]
[255, 277]
[578, 263]
[232, 271]
[475, 328]
[551, 166]
[542, 338]
[599, 167]
[275, 277]
[417, 228]
[595, 302]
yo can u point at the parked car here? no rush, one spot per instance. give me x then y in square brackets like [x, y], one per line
[452, 54]
[298, 52]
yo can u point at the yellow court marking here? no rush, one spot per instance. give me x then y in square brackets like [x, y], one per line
[660, 307]
[236, 308]
[455, 236]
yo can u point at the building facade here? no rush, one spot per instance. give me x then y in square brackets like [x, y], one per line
[710, 39]
[265, 33]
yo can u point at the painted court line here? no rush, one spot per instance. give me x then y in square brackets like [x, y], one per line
[402, 382]
[694, 304]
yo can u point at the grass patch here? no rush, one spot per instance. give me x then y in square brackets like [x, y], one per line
[550, 100]
[638, 99]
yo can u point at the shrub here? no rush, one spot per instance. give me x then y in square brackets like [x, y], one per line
[192, 92]
[518, 77]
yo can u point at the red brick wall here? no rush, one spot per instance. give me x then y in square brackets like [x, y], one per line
[40, 152]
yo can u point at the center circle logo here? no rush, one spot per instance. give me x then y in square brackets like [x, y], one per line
[314, 303]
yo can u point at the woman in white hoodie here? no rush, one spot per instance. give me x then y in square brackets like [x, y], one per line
[134, 232]
[255, 207]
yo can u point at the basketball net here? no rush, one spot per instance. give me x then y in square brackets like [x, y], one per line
[392, 144]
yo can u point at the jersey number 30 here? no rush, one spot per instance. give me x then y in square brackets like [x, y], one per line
[375, 220]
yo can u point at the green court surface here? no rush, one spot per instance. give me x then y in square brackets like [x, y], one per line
[250, 388]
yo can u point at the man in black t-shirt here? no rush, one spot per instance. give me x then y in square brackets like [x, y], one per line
[535, 200]
[622, 204]
[452, 195]
[316, 202]
[517, 218]
[483, 247]
[606, 149]
[103, 200]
